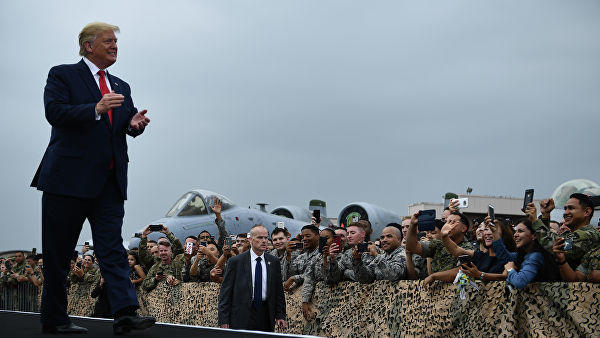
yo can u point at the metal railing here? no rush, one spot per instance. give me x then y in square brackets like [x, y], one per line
[22, 297]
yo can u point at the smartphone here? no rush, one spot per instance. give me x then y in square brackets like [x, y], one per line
[463, 202]
[363, 247]
[78, 265]
[202, 243]
[137, 235]
[426, 220]
[317, 216]
[229, 241]
[568, 244]
[34, 251]
[464, 260]
[337, 239]
[156, 227]
[86, 243]
[189, 248]
[322, 244]
[528, 198]
[491, 212]
[7, 264]
[280, 225]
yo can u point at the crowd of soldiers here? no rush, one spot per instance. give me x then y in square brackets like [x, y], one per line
[497, 251]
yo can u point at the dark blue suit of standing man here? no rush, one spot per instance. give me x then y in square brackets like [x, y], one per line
[83, 174]
[251, 295]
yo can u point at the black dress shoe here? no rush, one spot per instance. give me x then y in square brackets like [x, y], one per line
[64, 329]
[125, 324]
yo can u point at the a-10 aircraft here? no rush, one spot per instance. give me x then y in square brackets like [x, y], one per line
[191, 215]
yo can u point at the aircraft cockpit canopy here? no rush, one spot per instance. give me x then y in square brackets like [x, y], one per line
[192, 204]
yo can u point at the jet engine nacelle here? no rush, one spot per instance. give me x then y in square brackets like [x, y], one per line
[377, 216]
[293, 212]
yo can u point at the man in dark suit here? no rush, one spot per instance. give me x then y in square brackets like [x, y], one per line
[83, 174]
[251, 295]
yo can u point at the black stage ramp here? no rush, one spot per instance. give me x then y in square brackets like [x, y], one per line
[27, 324]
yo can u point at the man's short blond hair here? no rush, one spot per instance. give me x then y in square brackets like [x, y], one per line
[90, 32]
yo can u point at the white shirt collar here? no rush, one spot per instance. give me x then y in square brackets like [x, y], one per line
[253, 255]
[93, 68]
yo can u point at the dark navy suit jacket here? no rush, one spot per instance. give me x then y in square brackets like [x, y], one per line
[235, 296]
[77, 160]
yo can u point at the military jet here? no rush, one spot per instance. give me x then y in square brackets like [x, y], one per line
[191, 215]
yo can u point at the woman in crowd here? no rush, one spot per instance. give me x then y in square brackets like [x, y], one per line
[85, 271]
[136, 273]
[530, 262]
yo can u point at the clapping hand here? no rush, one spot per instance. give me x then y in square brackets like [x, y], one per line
[139, 120]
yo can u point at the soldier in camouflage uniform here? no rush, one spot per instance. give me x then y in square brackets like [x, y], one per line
[341, 265]
[146, 258]
[315, 272]
[388, 266]
[203, 262]
[168, 269]
[578, 213]
[87, 273]
[281, 237]
[442, 261]
[295, 268]
[18, 274]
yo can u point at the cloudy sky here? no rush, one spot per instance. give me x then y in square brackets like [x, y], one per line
[390, 102]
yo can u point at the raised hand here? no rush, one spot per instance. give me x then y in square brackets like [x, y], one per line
[139, 120]
[546, 207]
[217, 207]
[531, 212]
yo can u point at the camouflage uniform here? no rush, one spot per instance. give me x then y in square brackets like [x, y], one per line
[19, 269]
[314, 273]
[387, 266]
[89, 276]
[282, 260]
[585, 239]
[590, 262]
[341, 267]
[222, 233]
[147, 260]
[174, 268]
[204, 268]
[442, 259]
[296, 267]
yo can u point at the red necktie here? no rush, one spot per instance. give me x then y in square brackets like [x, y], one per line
[104, 90]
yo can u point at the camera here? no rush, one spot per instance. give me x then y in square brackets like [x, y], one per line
[156, 227]
[362, 247]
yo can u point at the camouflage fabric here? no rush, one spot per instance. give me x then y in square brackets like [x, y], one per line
[386, 266]
[395, 309]
[585, 239]
[89, 276]
[590, 262]
[19, 269]
[204, 268]
[147, 260]
[442, 259]
[222, 233]
[296, 267]
[342, 267]
[282, 259]
[174, 268]
[314, 273]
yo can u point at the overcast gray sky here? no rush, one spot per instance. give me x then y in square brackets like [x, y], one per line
[389, 102]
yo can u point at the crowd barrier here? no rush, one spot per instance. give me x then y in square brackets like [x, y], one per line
[23, 297]
[396, 309]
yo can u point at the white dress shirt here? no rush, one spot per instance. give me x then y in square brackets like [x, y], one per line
[94, 69]
[253, 257]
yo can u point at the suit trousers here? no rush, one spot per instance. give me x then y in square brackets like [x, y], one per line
[259, 319]
[62, 220]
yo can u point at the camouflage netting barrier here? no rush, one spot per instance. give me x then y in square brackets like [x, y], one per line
[396, 309]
